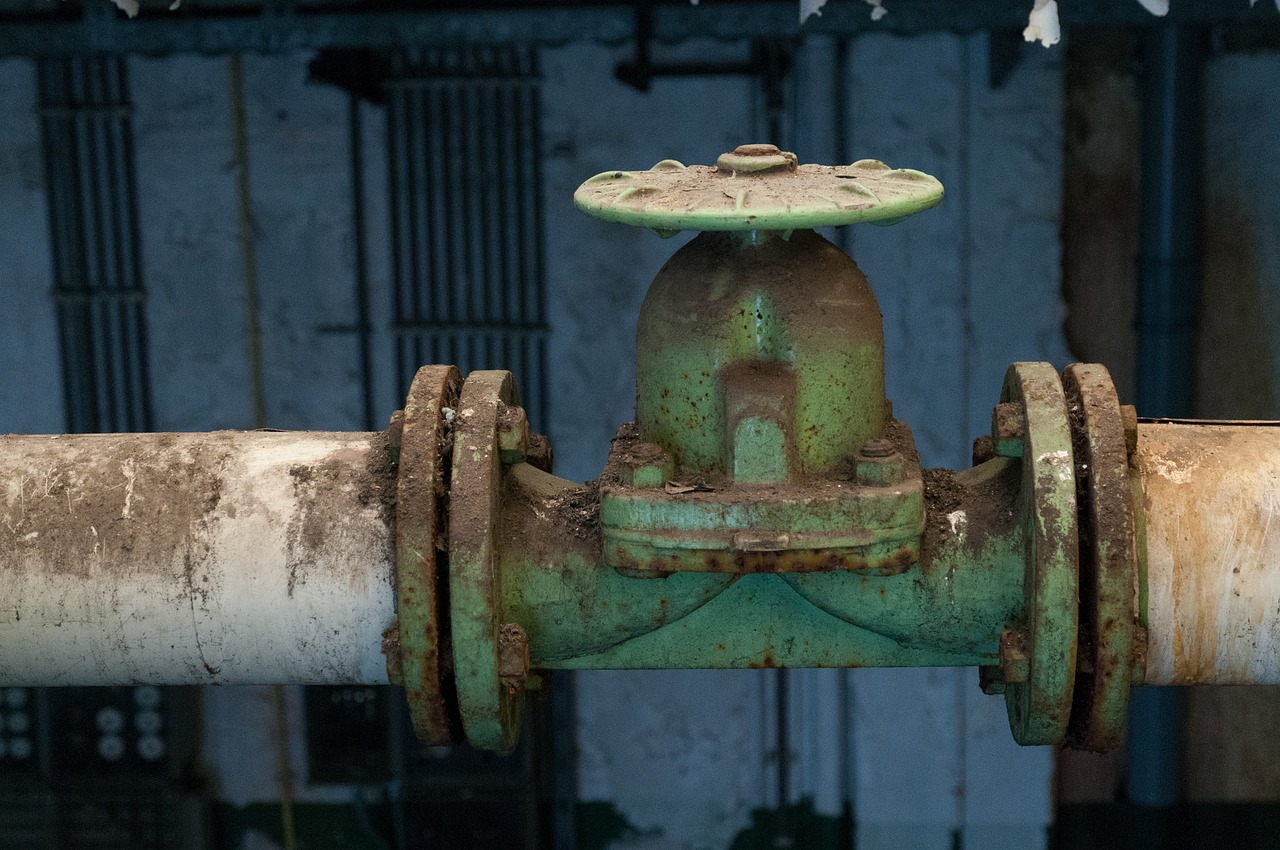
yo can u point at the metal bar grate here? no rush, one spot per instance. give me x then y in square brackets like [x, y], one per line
[87, 131]
[465, 174]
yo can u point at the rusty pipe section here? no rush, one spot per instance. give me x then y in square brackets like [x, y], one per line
[222, 558]
[1212, 504]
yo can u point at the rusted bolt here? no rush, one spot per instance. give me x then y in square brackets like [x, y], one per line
[645, 465]
[1014, 666]
[877, 447]
[1008, 427]
[513, 656]
[984, 449]
[513, 435]
[539, 454]
[879, 464]
[1129, 418]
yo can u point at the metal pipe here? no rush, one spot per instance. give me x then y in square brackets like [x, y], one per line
[1168, 300]
[224, 558]
[1213, 553]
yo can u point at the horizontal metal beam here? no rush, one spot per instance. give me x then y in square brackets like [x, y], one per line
[279, 29]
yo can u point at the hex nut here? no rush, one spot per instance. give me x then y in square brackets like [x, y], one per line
[879, 464]
[984, 449]
[1014, 665]
[513, 655]
[1008, 428]
[646, 465]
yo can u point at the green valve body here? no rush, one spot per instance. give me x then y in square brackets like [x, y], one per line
[765, 509]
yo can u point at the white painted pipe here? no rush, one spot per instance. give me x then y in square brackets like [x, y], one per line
[225, 558]
[1212, 494]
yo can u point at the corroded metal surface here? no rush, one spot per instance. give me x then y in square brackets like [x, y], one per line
[492, 708]
[1212, 498]
[757, 187]
[1108, 560]
[1040, 705]
[728, 330]
[421, 553]
[868, 518]
[223, 558]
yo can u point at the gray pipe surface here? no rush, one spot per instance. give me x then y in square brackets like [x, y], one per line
[231, 557]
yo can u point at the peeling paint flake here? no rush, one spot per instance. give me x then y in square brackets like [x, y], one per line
[1043, 25]
[1061, 463]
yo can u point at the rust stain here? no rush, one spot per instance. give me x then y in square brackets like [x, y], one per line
[1213, 552]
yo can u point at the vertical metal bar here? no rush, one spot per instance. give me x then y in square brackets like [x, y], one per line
[395, 179]
[363, 328]
[89, 172]
[1168, 303]
[248, 241]
[472, 183]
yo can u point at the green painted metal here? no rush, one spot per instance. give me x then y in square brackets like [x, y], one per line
[757, 187]
[1038, 654]
[786, 329]
[765, 509]
[419, 524]
[491, 707]
[867, 519]
[1108, 560]
[946, 610]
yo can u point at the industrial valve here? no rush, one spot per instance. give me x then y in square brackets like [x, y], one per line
[765, 509]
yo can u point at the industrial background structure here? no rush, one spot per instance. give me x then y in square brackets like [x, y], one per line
[212, 242]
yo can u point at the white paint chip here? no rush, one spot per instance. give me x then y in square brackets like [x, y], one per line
[1042, 23]
[1156, 7]
[878, 10]
[808, 8]
[129, 7]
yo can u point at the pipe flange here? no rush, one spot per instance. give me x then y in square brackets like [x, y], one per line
[420, 568]
[490, 658]
[1038, 655]
[1108, 560]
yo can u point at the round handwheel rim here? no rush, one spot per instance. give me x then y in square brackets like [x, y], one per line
[671, 197]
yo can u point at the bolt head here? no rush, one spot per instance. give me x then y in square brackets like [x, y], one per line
[1008, 428]
[1014, 665]
[645, 465]
[513, 656]
[877, 448]
[984, 449]
[513, 435]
